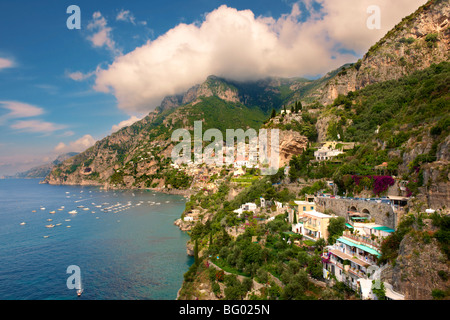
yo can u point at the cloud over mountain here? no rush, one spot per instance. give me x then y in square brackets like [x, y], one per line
[238, 45]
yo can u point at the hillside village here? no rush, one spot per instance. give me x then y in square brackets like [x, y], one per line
[351, 257]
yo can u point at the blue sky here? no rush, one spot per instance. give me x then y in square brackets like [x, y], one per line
[59, 91]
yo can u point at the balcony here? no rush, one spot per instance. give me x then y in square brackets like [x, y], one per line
[311, 226]
[375, 244]
[357, 272]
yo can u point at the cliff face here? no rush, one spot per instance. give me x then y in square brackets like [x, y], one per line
[418, 266]
[420, 40]
[98, 164]
[291, 143]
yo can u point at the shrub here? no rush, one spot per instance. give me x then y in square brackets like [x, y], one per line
[438, 294]
[216, 288]
[443, 275]
[431, 39]
[220, 275]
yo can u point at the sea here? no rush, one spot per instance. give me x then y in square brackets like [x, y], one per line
[124, 243]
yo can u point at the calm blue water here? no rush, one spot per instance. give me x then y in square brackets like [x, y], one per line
[131, 252]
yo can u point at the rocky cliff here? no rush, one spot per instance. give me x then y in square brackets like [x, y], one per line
[421, 266]
[419, 40]
[213, 86]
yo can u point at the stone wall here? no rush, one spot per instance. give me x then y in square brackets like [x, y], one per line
[383, 213]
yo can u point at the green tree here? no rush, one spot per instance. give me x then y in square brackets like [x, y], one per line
[379, 291]
[335, 229]
[315, 267]
[320, 244]
[273, 114]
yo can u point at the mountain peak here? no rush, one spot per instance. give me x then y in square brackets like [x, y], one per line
[212, 86]
[418, 41]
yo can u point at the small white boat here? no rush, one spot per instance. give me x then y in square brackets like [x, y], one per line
[67, 220]
[67, 226]
[42, 208]
[85, 209]
[22, 223]
[52, 212]
[73, 212]
[50, 226]
[46, 236]
[49, 220]
[79, 290]
[80, 206]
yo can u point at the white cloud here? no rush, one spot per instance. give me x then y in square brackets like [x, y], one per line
[237, 45]
[19, 110]
[6, 63]
[126, 15]
[76, 146]
[101, 36]
[36, 126]
[79, 76]
[68, 134]
[125, 123]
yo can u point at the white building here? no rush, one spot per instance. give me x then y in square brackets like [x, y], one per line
[330, 149]
[324, 154]
[353, 258]
[250, 206]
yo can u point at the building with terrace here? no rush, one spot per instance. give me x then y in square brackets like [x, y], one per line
[315, 224]
[355, 254]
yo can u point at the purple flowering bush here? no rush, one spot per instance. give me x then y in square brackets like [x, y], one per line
[379, 184]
